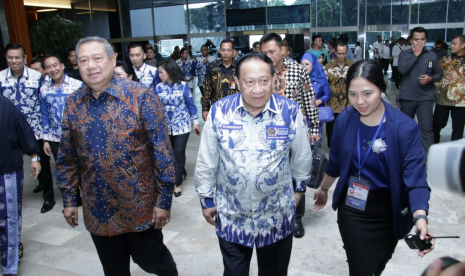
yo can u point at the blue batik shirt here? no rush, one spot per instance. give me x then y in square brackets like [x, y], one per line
[24, 93]
[117, 148]
[148, 76]
[52, 101]
[178, 105]
[202, 67]
[248, 168]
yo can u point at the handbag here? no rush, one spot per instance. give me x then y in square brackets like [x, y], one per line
[318, 167]
[325, 114]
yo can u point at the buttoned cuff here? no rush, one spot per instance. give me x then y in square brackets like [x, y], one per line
[196, 122]
[207, 202]
[299, 188]
[164, 201]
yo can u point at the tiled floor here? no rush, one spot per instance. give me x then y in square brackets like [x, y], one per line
[52, 248]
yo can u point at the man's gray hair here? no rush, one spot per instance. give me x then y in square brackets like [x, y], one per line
[106, 45]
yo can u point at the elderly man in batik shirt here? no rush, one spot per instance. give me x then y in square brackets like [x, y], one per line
[450, 92]
[253, 160]
[115, 141]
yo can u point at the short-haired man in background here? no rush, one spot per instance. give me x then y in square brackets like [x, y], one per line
[318, 48]
[148, 75]
[201, 66]
[420, 69]
[219, 79]
[150, 57]
[38, 65]
[72, 69]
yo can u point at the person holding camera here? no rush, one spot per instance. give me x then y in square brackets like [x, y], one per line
[382, 190]
[180, 109]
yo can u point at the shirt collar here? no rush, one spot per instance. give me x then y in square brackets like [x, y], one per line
[270, 105]
[142, 68]
[9, 73]
[110, 89]
[233, 64]
[50, 81]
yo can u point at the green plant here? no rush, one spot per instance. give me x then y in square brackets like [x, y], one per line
[54, 35]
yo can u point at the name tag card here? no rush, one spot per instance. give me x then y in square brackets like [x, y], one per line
[31, 84]
[177, 93]
[277, 132]
[357, 194]
[147, 80]
[231, 127]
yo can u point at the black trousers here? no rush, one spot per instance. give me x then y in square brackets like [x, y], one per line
[146, 249]
[179, 143]
[368, 236]
[201, 90]
[54, 147]
[424, 112]
[395, 76]
[385, 64]
[45, 175]
[329, 129]
[440, 118]
[273, 259]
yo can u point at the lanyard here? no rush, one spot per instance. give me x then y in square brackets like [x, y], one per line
[360, 164]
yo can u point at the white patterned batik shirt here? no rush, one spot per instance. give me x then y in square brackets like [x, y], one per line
[202, 67]
[249, 168]
[24, 93]
[148, 75]
[52, 102]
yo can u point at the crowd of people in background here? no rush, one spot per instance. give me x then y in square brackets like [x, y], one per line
[116, 127]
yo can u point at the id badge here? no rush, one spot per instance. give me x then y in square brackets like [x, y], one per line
[430, 64]
[232, 86]
[147, 80]
[177, 93]
[357, 194]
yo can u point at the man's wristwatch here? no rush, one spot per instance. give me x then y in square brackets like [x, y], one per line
[415, 219]
[35, 159]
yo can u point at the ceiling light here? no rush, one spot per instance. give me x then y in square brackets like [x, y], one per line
[46, 10]
[56, 4]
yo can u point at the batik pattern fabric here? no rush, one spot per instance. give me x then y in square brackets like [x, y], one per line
[187, 69]
[450, 90]
[219, 83]
[337, 84]
[52, 102]
[178, 105]
[249, 168]
[148, 76]
[201, 68]
[23, 92]
[11, 196]
[293, 82]
[117, 147]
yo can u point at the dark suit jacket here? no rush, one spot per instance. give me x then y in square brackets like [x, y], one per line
[406, 160]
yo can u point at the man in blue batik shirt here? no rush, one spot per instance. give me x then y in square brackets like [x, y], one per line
[148, 75]
[254, 157]
[21, 85]
[53, 95]
[202, 63]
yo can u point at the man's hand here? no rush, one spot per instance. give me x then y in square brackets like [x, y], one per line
[204, 115]
[71, 216]
[297, 196]
[35, 169]
[417, 47]
[197, 130]
[424, 79]
[314, 138]
[47, 149]
[205, 60]
[321, 197]
[160, 217]
[209, 215]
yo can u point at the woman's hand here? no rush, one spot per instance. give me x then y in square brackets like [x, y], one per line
[421, 228]
[318, 102]
[35, 169]
[321, 197]
[197, 130]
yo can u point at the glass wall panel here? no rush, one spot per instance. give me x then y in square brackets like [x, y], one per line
[456, 11]
[206, 17]
[435, 34]
[451, 33]
[349, 12]
[375, 12]
[327, 36]
[288, 14]
[243, 15]
[400, 11]
[326, 13]
[427, 11]
[170, 20]
[136, 18]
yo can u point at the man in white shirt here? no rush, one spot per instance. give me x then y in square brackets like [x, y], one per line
[396, 50]
[378, 48]
[358, 53]
[254, 146]
[385, 56]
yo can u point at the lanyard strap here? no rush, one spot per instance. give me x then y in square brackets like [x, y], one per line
[360, 164]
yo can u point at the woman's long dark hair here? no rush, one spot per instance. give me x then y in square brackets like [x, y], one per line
[369, 70]
[173, 70]
[127, 68]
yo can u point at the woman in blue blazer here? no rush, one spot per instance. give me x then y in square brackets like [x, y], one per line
[382, 190]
